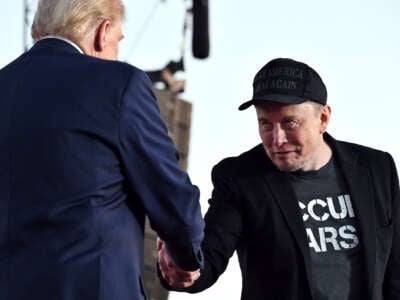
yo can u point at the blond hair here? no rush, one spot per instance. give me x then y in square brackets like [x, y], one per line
[76, 20]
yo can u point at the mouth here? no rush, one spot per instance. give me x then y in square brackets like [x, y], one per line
[285, 153]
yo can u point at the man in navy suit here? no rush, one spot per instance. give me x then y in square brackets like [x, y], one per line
[84, 156]
[310, 217]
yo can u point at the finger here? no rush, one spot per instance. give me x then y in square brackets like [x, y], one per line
[180, 284]
[178, 280]
[160, 243]
[187, 276]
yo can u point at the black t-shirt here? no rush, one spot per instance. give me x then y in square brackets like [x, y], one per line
[331, 227]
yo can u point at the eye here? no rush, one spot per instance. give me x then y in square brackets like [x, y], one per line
[290, 124]
[265, 125]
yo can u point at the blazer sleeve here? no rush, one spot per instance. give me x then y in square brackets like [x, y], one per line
[223, 231]
[150, 162]
[392, 276]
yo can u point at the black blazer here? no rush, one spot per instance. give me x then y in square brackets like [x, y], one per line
[84, 155]
[253, 210]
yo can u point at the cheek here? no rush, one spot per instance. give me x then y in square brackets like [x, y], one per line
[261, 133]
[308, 144]
[266, 138]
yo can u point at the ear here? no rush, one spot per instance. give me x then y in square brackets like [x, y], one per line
[325, 116]
[101, 37]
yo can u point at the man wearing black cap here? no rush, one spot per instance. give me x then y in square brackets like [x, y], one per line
[309, 216]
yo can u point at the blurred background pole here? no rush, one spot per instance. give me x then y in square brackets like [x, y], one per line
[28, 10]
[25, 27]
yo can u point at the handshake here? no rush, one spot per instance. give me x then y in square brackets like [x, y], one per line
[171, 273]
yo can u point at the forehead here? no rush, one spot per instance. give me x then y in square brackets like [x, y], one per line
[273, 109]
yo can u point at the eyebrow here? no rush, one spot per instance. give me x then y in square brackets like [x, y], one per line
[287, 118]
[262, 119]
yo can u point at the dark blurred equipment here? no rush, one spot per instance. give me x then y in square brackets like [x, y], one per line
[200, 47]
[166, 75]
[200, 37]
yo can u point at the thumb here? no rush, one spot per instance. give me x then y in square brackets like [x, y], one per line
[160, 243]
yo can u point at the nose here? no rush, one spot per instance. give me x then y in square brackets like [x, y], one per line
[279, 136]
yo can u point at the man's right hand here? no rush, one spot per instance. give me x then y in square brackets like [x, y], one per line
[172, 274]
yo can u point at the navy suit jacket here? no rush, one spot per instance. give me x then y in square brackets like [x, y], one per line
[254, 211]
[84, 156]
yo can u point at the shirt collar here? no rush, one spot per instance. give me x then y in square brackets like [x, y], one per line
[65, 40]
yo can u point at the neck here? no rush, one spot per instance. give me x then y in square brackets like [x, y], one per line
[323, 157]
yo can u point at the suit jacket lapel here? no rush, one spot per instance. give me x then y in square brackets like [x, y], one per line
[357, 179]
[284, 196]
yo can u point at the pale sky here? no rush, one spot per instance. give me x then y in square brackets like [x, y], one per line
[354, 45]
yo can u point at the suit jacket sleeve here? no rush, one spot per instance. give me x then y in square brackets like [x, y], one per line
[392, 277]
[223, 230]
[151, 165]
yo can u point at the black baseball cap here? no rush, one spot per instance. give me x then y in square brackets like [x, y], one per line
[287, 81]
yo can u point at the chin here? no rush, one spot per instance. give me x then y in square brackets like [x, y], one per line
[289, 167]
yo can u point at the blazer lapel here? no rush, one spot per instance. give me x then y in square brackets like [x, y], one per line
[284, 196]
[357, 178]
